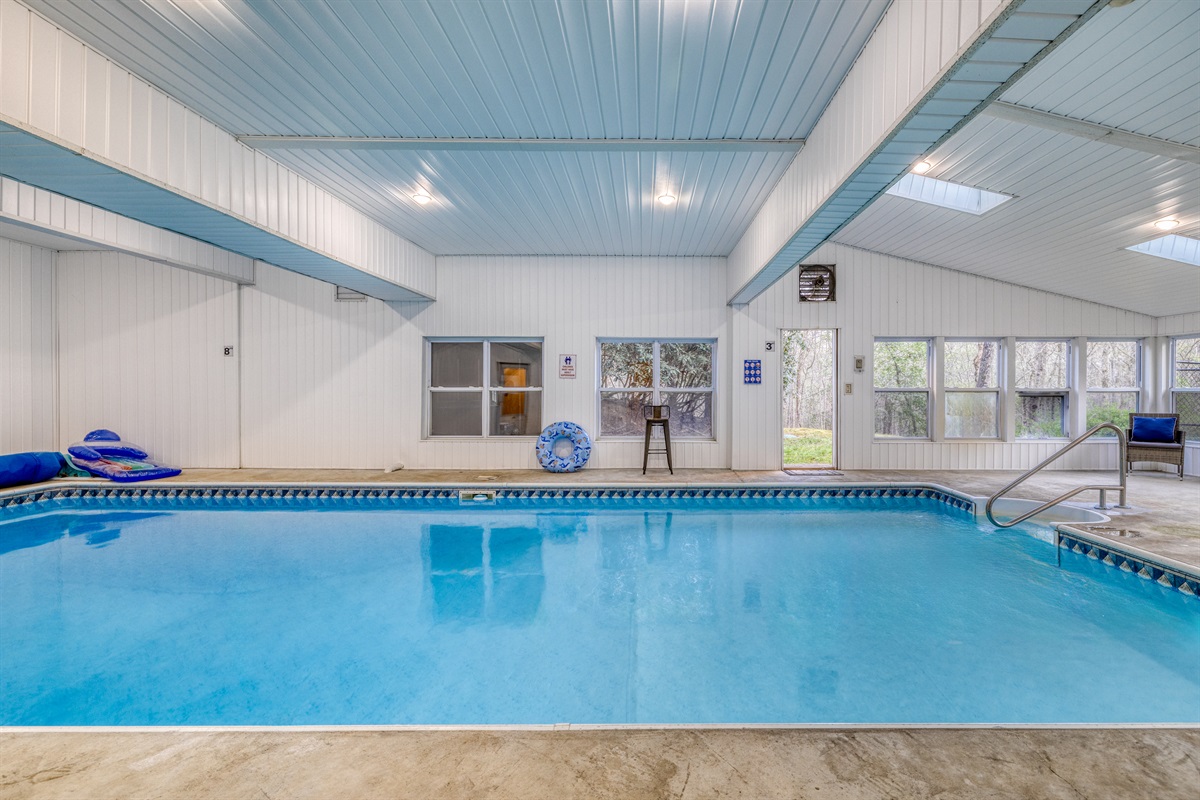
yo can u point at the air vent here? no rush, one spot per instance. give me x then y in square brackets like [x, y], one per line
[816, 283]
[344, 295]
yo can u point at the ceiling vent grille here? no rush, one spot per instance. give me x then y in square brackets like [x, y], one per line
[344, 295]
[817, 283]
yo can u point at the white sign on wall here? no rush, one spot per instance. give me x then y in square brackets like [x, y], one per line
[566, 365]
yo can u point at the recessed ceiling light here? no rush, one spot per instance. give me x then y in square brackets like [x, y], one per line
[1166, 224]
[421, 197]
[666, 199]
[921, 167]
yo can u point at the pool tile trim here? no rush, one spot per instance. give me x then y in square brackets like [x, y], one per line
[1129, 559]
[1126, 558]
[178, 491]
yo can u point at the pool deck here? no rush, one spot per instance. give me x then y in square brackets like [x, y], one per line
[919, 762]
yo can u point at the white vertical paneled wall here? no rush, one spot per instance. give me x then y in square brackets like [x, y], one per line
[878, 295]
[321, 379]
[914, 43]
[569, 302]
[27, 331]
[330, 384]
[1179, 324]
[53, 85]
[317, 383]
[141, 352]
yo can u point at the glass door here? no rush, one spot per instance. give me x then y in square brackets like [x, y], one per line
[809, 392]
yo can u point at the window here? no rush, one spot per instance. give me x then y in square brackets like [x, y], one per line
[901, 369]
[674, 373]
[484, 387]
[1113, 371]
[1042, 389]
[942, 193]
[971, 373]
[1185, 384]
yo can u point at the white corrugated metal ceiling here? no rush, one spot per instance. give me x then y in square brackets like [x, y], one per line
[514, 69]
[1079, 203]
[677, 70]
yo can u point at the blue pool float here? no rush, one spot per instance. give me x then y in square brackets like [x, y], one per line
[103, 454]
[19, 469]
[563, 431]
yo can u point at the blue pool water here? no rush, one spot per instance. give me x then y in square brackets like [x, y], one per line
[672, 611]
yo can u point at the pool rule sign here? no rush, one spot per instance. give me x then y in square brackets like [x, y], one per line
[566, 365]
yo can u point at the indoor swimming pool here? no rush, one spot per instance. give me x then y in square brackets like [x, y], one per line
[312, 607]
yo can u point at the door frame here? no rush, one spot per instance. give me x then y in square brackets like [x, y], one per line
[835, 385]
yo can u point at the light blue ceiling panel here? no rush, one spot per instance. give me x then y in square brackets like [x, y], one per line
[528, 69]
[27, 158]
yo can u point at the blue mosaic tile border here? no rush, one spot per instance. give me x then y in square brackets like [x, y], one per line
[219, 495]
[1143, 568]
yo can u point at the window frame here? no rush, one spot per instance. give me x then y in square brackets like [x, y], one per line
[1138, 374]
[655, 389]
[997, 390]
[1064, 393]
[485, 391]
[1173, 390]
[930, 380]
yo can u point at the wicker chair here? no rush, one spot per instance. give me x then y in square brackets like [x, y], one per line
[1161, 452]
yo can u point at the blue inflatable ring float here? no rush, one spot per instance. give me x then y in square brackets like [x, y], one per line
[563, 431]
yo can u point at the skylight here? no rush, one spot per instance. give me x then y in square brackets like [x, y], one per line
[946, 194]
[1172, 246]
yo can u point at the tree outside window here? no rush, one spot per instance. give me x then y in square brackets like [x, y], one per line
[634, 374]
[971, 372]
[1113, 383]
[1043, 388]
[901, 375]
[1185, 384]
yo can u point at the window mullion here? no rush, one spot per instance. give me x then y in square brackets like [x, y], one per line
[654, 373]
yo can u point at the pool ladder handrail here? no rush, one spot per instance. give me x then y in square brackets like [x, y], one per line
[1121, 444]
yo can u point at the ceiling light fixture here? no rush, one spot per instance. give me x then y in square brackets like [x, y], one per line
[666, 199]
[421, 197]
[1166, 224]
[921, 167]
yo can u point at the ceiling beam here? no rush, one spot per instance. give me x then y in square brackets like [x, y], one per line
[890, 111]
[116, 142]
[539, 145]
[1059, 123]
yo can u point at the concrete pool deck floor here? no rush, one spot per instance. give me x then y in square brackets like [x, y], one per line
[666, 763]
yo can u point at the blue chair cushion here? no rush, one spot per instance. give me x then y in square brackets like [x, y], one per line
[1153, 429]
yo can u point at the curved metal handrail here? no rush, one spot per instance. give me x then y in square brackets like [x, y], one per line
[1121, 443]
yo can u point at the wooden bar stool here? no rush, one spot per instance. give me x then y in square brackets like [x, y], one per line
[657, 416]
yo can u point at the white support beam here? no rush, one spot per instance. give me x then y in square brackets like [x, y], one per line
[1093, 131]
[75, 123]
[264, 142]
[929, 67]
[71, 221]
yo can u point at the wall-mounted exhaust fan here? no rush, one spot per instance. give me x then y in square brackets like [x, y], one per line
[816, 283]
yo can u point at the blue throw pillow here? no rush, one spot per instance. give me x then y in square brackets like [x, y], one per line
[1153, 429]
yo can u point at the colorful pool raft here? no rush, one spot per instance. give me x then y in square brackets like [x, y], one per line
[103, 454]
